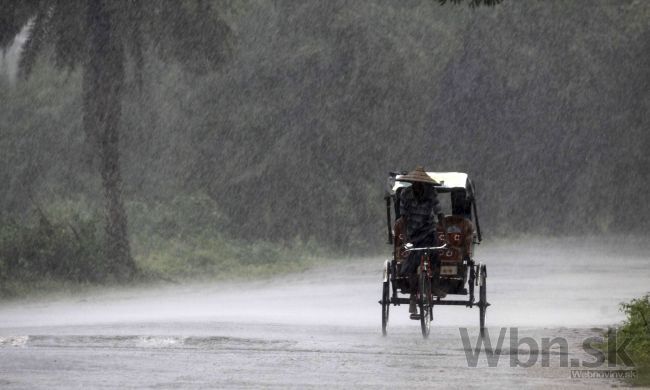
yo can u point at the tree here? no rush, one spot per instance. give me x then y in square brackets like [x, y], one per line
[100, 36]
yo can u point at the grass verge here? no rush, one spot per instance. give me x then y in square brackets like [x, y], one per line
[59, 248]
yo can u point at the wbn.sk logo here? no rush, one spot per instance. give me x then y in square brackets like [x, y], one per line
[614, 351]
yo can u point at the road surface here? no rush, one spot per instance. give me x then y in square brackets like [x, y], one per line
[321, 328]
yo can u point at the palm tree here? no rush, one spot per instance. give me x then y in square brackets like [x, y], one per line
[99, 36]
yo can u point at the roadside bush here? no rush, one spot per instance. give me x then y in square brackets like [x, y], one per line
[214, 257]
[61, 249]
[183, 216]
[178, 239]
[182, 239]
[636, 330]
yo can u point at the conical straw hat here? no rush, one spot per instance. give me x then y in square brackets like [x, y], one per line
[418, 175]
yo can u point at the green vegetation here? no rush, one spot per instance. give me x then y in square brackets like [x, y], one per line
[183, 239]
[101, 39]
[49, 250]
[542, 102]
[635, 330]
[60, 247]
[284, 118]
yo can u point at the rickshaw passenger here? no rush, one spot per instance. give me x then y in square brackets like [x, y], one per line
[460, 204]
[461, 222]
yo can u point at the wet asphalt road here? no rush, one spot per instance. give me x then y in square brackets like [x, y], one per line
[322, 328]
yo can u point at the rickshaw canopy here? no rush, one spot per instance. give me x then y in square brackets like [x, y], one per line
[449, 181]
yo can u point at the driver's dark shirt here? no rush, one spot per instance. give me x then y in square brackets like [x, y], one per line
[421, 215]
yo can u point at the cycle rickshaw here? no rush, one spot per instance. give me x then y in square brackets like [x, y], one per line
[446, 269]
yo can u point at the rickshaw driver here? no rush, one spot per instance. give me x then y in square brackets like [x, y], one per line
[420, 208]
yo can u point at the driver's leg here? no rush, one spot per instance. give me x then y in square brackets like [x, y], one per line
[413, 309]
[410, 271]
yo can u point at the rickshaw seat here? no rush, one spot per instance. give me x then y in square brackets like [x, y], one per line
[458, 236]
[399, 232]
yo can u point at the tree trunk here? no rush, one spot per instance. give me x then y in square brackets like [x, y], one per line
[103, 79]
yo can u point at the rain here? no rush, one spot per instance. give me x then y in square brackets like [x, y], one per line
[192, 194]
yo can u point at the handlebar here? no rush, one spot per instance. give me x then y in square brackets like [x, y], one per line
[409, 248]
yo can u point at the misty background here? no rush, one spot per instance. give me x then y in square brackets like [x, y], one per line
[289, 140]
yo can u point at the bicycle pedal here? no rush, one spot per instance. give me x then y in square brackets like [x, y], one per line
[415, 316]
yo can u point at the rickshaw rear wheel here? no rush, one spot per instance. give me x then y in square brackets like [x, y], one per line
[425, 304]
[385, 306]
[482, 303]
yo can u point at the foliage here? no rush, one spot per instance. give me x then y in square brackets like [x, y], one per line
[66, 249]
[636, 329]
[61, 246]
[543, 103]
[217, 258]
[634, 336]
[188, 32]
[183, 239]
[99, 36]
